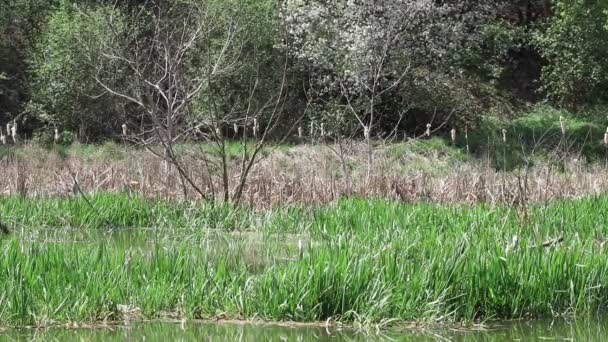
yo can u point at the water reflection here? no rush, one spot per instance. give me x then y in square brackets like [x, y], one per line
[522, 331]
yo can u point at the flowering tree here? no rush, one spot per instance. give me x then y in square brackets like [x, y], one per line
[364, 54]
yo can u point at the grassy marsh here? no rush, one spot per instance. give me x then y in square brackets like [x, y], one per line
[436, 234]
[361, 262]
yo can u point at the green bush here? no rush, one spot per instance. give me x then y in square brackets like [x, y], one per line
[47, 138]
[574, 44]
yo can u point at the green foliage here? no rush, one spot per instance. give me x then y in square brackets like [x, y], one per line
[490, 58]
[536, 137]
[20, 22]
[120, 210]
[359, 261]
[63, 66]
[575, 45]
[462, 58]
[243, 42]
[47, 138]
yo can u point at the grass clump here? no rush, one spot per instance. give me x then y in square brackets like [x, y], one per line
[121, 210]
[432, 156]
[369, 262]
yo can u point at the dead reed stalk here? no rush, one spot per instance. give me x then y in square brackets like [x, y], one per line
[295, 177]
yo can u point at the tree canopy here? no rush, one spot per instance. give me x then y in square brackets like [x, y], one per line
[348, 64]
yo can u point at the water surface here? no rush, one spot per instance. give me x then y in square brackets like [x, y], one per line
[519, 331]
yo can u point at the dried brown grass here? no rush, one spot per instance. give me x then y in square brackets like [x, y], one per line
[309, 175]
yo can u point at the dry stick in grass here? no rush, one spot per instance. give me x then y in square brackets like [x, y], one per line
[124, 138]
[504, 162]
[14, 133]
[343, 151]
[606, 148]
[562, 125]
[312, 130]
[21, 179]
[86, 199]
[523, 184]
[466, 137]
[453, 136]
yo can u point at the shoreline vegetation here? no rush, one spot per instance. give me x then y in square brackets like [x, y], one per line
[358, 262]
[369, 163]
[542, 156]
[329, 326]
[444, 232]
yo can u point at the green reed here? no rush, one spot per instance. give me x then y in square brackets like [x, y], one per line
[367, 262]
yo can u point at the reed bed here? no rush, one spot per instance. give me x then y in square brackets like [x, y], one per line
[304, 174]
[364, 262]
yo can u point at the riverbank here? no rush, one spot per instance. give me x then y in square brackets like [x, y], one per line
[356, 262]
[535, 162]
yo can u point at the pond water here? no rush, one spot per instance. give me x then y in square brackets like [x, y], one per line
[519, 331]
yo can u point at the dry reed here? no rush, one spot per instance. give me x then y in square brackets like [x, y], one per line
[304, 174]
